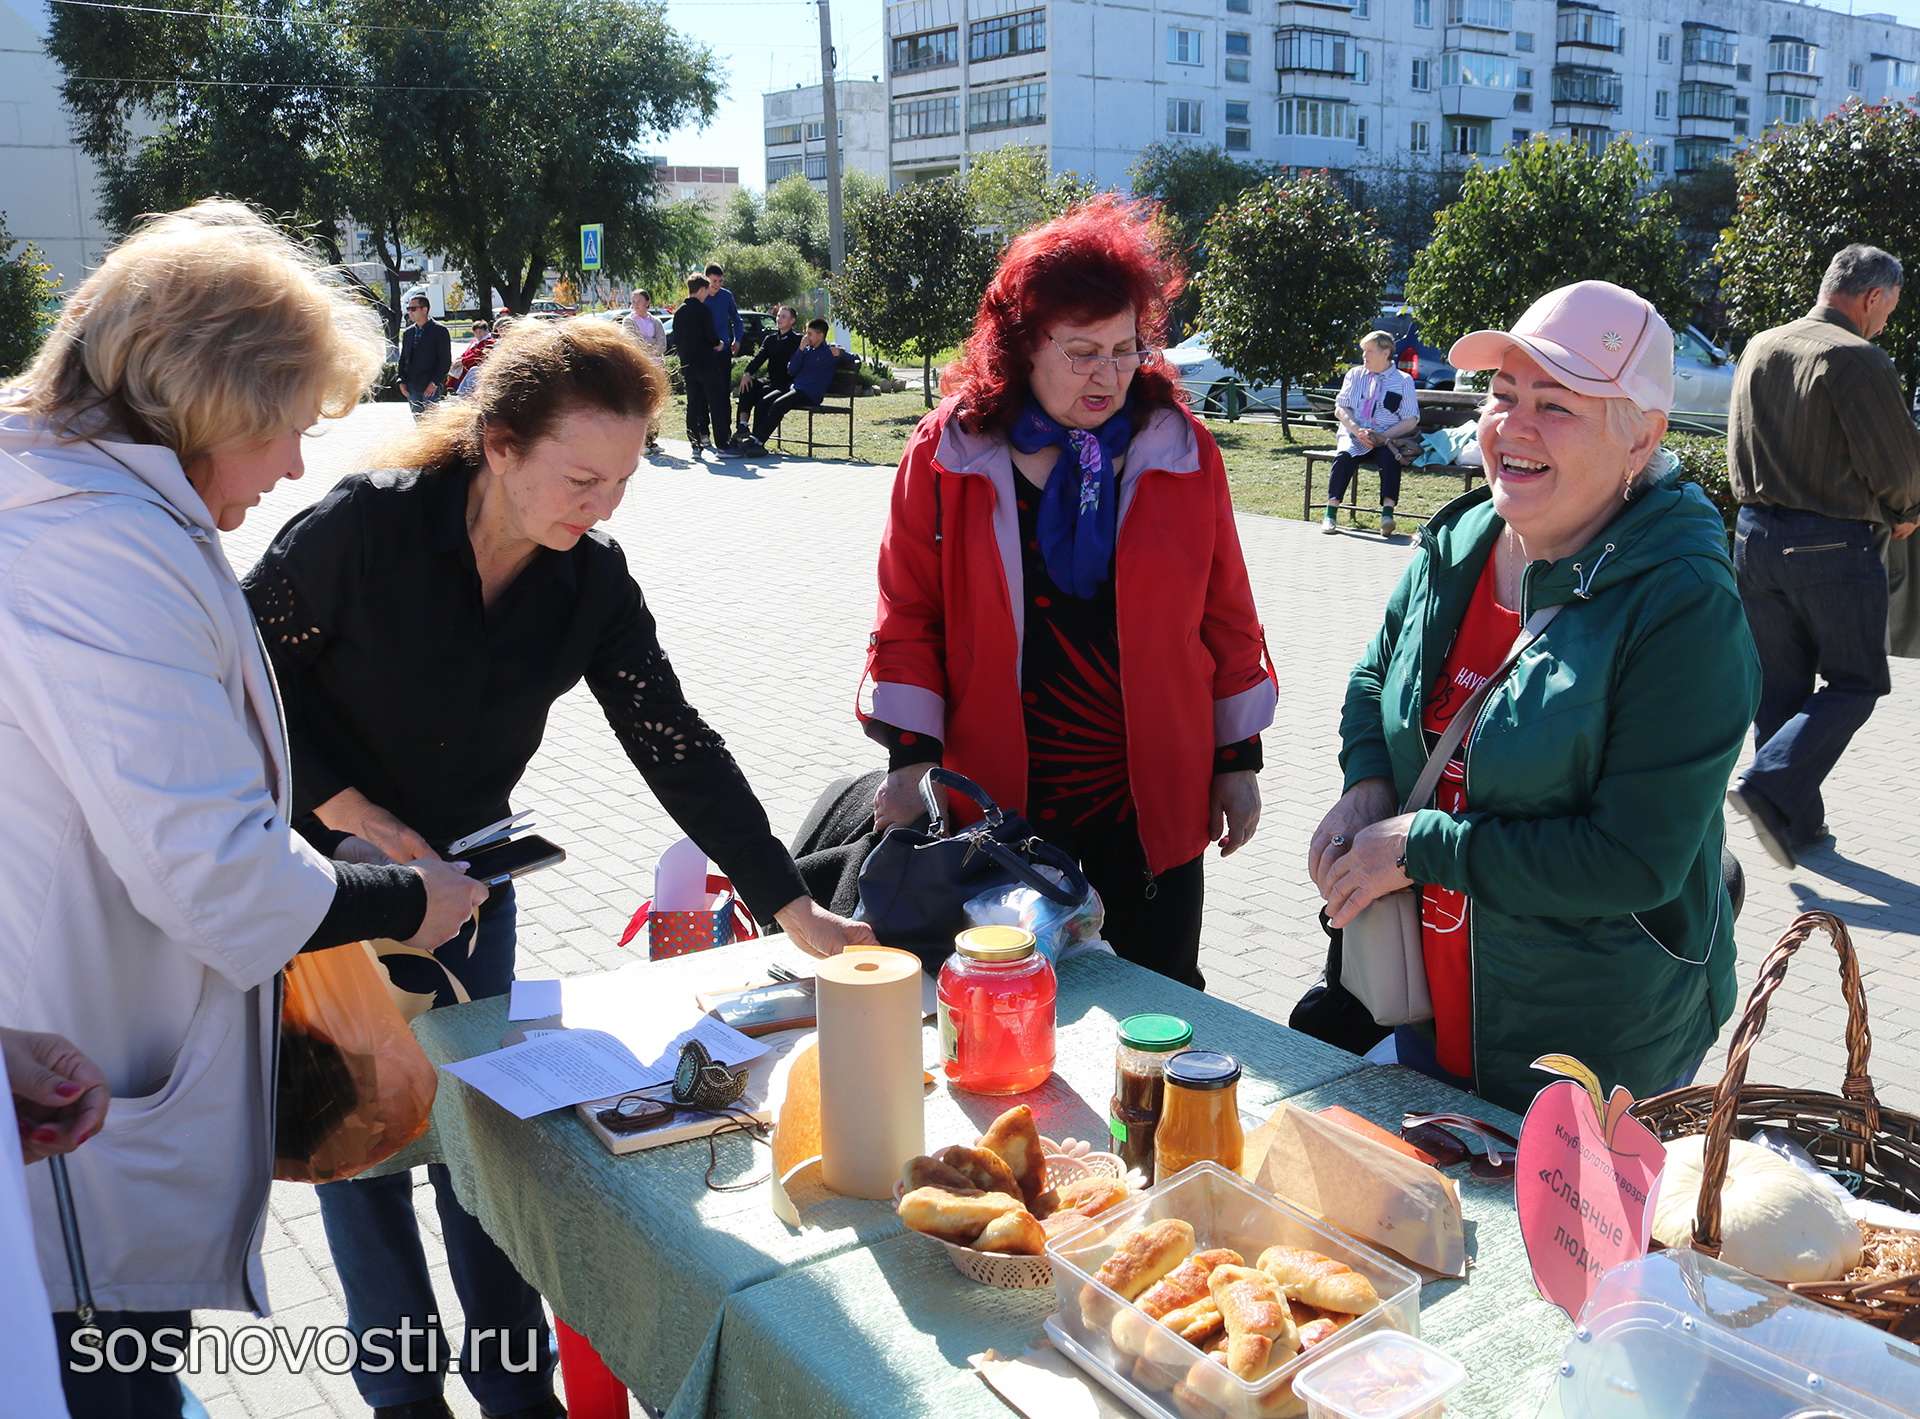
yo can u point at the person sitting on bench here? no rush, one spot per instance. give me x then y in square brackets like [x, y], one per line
[811, 370]
[1377, 404]
[774, 354]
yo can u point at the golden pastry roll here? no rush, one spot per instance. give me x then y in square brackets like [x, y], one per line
[1318, 1332]
[1015, 1233]
[1198, 1324]
[1320, 1281]
[957, 1217]
[1142, 1256]
[931, 1172]
[1261, 1335]
[1015, 1139]
[1187, 1282]
[1210, 1389]
[981, 1169]
[1063, 1221]
[1092, 1195]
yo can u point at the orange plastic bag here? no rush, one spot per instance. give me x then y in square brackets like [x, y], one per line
[355, 1087]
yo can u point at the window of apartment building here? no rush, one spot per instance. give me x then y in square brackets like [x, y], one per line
[1466, 139]
[1665, 48]
[1314, 52]
[1010, 106]
[1739, 127]
[1183, 46]
[1788, 108]
[1744, 72]
[1853, 77]
[1360, 131]
[936, 49]
[1423, 14]
[1183, 117]
[786, 133]
[1708, 101]
[1523, 41]
[1662, 103]
[1790, 56]
[1239, 129]
[1420, 75]
[817, 132]
[1316, 118]
[1362, 9]
[816, 168]
[1362, 66]
[1594, 137]
[1024, 33]
[1521, 135]
[1523, 103]
[1240, 7]
[1657, 157]
[926, 118]
[1481, 14]
[1419, 138]
[1239, 61]
[1475, 70]
[1741, 105]
[778, 168]
[1522, 77]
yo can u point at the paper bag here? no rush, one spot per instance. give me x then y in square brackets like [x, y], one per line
[1362, 1187]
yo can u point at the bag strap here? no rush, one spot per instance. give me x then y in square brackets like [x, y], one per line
[1025, 865]
[1462, 721]
[960, 783]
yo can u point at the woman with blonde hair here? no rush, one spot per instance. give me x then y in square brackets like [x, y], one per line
[151, 885]
[423, 620]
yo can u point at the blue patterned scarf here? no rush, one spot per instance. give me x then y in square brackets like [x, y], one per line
[1080, 506]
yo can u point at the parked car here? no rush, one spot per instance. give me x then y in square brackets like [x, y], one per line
[1213, 388]
[1426, 364]
[757, 325]
[1702, 381]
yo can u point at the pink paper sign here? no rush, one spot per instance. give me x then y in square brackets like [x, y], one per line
[1584, 1181]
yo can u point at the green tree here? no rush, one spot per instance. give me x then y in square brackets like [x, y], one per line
[1404, 202]
[1703, 203]
[1807, 191]
[1553, 214]
[687, 238]
[796, 213]
[915, 271]
[1190, 181]
[29, 291]
[740, 218]
[765, 275]
[1014, 189]
[1292, 280]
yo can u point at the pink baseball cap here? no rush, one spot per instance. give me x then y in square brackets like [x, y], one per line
[1593, 336]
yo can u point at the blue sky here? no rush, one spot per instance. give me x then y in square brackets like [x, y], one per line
[766, 44]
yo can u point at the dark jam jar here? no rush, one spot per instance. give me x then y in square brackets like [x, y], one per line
[1139, 1083]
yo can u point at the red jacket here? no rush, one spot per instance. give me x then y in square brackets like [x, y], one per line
[944, 656]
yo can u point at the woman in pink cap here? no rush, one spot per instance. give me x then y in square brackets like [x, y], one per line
[1579, 613]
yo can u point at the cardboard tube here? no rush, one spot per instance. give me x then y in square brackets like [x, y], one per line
[871, 1115]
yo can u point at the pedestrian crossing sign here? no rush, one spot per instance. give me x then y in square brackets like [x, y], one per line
[592, 242]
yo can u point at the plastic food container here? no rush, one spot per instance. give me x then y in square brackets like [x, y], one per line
[1384, 1376]
[1678, 1333]
[1149, 1367]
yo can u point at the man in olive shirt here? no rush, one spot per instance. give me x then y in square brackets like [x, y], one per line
[1825, 461]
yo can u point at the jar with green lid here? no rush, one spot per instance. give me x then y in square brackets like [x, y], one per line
[1139, 1084]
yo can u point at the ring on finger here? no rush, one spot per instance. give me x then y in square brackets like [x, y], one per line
[1339, 839]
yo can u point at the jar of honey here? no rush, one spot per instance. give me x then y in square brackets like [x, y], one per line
[1139, 1080]
[996, 1001]
[1200, 1114]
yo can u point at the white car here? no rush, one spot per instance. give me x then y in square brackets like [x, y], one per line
[1702, 380]
[1215, 389]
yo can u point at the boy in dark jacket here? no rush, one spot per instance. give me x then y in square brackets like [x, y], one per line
[811, 370]
[775, 352]
[703, 365]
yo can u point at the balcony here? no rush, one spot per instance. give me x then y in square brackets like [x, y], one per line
[1692, 155]
[1310, 51]
[1475, 84]
[1481, 14]
[1587, 27]
[1704, 44]
[1584, 87]
[1706, 101]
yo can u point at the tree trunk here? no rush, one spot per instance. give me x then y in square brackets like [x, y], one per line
[1286, 423]
[926, 375]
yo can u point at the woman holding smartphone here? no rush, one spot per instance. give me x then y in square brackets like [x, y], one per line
[422, 621]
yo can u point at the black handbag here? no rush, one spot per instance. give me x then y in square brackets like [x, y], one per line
[915, 885]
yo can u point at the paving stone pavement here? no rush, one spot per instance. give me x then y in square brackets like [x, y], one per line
[760, 575]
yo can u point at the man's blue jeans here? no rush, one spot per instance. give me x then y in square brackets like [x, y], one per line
[420, 401]
[375, 1239]
[1815, 590]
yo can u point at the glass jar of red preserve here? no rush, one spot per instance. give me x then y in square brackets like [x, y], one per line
[1139, 1082]
[996, 997]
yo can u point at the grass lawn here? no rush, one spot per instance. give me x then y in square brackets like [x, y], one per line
[1264, 470]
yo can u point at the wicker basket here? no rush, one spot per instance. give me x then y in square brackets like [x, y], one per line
[1847, 1134]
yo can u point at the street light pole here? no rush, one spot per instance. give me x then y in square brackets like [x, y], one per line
[836, 235]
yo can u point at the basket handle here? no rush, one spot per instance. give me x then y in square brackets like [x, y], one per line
[1857, 1087]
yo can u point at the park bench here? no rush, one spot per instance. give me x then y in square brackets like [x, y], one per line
[837, 404]
[1439, 409]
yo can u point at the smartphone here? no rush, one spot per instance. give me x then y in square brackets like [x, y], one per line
[504, 861]
[785, 1005]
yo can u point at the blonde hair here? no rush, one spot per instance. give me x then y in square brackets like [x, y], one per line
[538, 372]
[1379, 339]
[203, 325]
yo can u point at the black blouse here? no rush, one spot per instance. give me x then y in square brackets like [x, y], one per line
[399, 681]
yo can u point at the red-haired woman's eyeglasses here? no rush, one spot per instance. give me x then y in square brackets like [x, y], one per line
[1120, 364]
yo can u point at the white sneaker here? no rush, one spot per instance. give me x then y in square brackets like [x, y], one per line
[1386, 522]
[1330, 523]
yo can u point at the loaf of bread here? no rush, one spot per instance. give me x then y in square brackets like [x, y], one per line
[1320, 1281]
[1014, 1138]
[957, 1217]
[982, 1169]
[1260, 1331]
[931, 1172]
[1017, 1233]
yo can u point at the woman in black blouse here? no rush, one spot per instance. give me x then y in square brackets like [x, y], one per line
[422, 623]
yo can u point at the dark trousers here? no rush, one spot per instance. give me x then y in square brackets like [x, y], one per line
[709, 418]
[1815, 590]
[751, 397]
[1347, 464]
[774, 408]
[375, 1239]
[103, 1394]
[1152, 921]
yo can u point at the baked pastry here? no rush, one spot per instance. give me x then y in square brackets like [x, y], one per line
[1776, 1220]
[1197, 1324]
[1014, 1139]
[1320, 1281]
[981, 1169]
[1015, 1233]
[931, 1172]
[1093, 1195]
[1066, 1219]
[1210, 1393]
[1261, 1334]
[1187, 1282]
[1144, 1255]
[1318, 1332]
[957, 1217]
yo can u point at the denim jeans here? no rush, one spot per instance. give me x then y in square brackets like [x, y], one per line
[375, 1239]
[1345, 465]
[420, 401]
[1815, 590]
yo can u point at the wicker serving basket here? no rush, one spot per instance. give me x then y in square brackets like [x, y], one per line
[1849, 1134]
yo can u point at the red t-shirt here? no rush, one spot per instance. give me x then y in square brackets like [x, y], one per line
[1487, 633]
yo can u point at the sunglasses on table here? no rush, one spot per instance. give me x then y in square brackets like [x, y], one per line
[1440, 1135]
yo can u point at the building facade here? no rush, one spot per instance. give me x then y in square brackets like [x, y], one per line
[681, 182]
[48, 186]
[796, 130]
[1369, 84]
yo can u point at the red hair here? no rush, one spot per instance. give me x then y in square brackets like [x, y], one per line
[1101, 258]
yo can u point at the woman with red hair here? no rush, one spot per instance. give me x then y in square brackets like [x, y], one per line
[1064, 609]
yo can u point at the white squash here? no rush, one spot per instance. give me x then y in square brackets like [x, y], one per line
[1775, 1221]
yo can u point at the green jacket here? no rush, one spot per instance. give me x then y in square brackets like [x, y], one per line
[1590, 848]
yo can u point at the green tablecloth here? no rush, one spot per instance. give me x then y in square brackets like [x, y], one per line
[640, 1257]
[886, 1331]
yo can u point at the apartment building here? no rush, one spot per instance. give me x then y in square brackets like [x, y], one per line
[1366, 84]
[48, 186]
[797, 130]
[682, 182]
